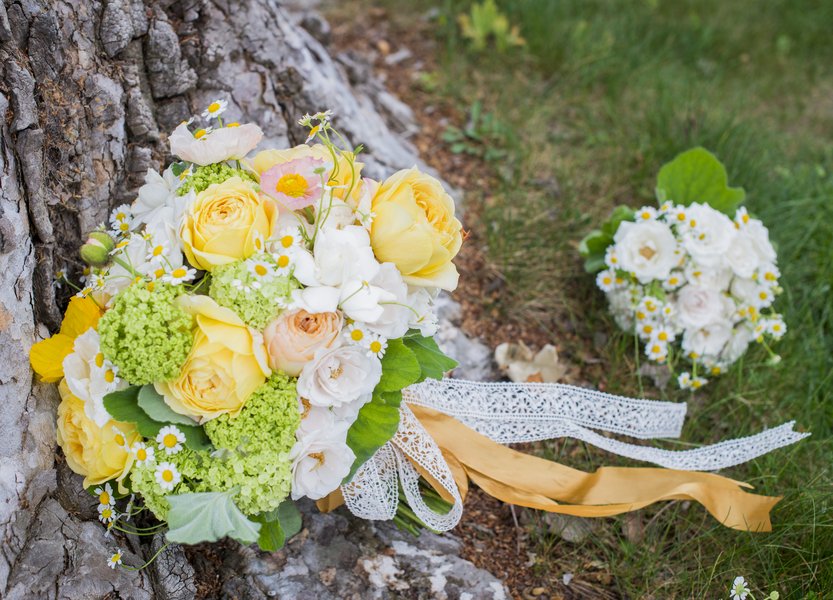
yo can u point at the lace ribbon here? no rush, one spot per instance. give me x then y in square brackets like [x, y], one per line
[524, 412]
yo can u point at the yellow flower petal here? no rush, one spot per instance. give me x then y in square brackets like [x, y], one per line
[47, 357]
[82, 313]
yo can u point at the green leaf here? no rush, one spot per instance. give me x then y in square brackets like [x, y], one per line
[208, 517]
[400, 367]
[592, 247]
[698, 176]
[432, 361]
[123, 406]
[619, 214]
[154, 405]
[377, 423]
[277, 526]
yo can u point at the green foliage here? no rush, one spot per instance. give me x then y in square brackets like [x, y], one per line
[484, 136]
[377, 423]
[154, 406]
[208, 517]
[592, 247]
[485, 23]
[123, 405]
[433, 363]
[697, 175]
[400, 367]
[277, 526]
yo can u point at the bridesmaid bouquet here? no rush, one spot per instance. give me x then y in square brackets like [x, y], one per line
[245, 330]
[694, 278]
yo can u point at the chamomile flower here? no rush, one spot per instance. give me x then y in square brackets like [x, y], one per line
[312, 133]
[662, 335]
[606, 280]
[667, 312]
[105, 495]
[167, 476]
[289, 237]
[259, 243]
[650, 306]
[742, 217]
[179, 275]
[170, 438]
[776, 327]
[645, 329]
[646, 213]
[143, 454]
[357, 333]
[376, 346]
[739, 589]
[684, 380]
[763, 297]
[656, 350]
[261, 269]
[698, 382]
[323, 116]
[678, 215]
[115, 559]
[611, 260]
[284, 261]
[119, 438]
[674, 280]
[203, 133]
[106, 513]
[305, 121]
[60, 278]
[767, 275]
[215, 109]
[666, 207]
[158, 251]
[121, 214]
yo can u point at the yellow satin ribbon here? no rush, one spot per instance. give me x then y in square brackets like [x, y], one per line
[518, 478]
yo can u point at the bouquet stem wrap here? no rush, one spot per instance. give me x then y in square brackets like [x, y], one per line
[453, 431]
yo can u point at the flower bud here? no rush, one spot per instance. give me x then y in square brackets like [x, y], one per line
[96, 250]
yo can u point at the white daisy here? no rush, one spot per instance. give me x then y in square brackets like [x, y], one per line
[261, 269]
[646, 213]
[674, 280]
[656, 350]
[201, 134]
[739, 589]
[662, 335]
[158, 251]
[768, 275]
[742, 218]
[606, 280]
[776, 327]
[284, 261]
[323, 117]
[179, 275]
[119, 438]
[115, 559]
[678, 215]
[289, 237]
[259, 243]
[684, 380]
[170, 439]
[357, 333]
[611, 260]
[106, 513]
[646, 329]
[215, 109]
[143, 454]
[105, 495]
[377, 345]
[167, 476]
[121, 214]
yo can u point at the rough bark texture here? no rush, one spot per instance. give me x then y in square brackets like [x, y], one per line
[88, 90]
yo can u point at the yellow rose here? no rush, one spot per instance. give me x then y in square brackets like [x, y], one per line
[415, 229]
[97, 453]
[225, 222]
[226, 364]
[342, 178]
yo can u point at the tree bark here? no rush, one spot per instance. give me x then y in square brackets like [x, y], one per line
[88, 91]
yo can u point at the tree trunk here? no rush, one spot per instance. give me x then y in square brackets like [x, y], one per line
[88, 89]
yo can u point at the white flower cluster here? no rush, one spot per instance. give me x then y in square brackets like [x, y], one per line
[693, 284]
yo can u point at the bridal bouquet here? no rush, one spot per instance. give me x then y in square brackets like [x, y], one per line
[246, 328]
[254, 330]
[695, 278]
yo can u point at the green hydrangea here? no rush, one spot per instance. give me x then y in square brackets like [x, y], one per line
[256, 300]
[251, 455]
[207, 175]
[146, 334]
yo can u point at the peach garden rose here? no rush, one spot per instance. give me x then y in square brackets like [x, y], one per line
[293, 337]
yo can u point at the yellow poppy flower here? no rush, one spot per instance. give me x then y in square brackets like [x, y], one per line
[47, 356]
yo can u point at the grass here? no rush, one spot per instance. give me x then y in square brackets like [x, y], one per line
[603, 94]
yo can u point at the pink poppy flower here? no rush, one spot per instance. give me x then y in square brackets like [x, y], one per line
[294, 184]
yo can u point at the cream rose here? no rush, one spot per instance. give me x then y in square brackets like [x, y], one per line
[700, 306]
[710, 236]
[97, 453]
[416, 230]
[646, 249]
[293, 338]
[226, 364]
[338, 376]
[223, 223]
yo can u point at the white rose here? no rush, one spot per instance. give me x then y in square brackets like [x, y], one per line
[339, 255]
[748, 291]
[320, 461]
[646, 249]
[759, 235]
[422, 315]
[741, 337]
[717, 277]
[699, 306]
[90, 377]
[708, 340]
[337, 376]
[743, 255]
[709, 238]
[393, 323]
